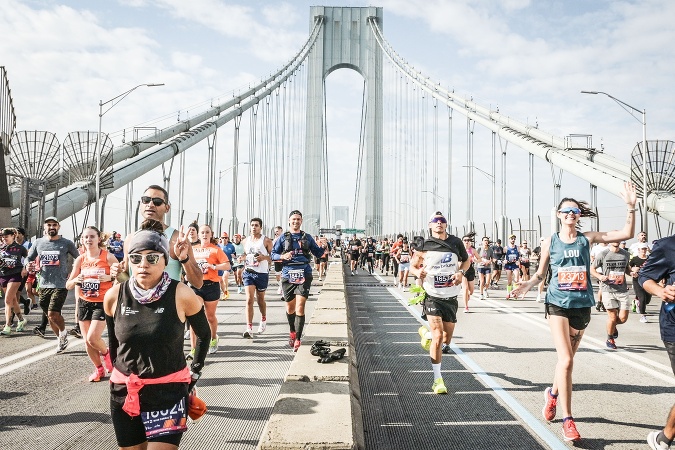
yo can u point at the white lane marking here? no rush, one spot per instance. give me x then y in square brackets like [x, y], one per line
[379, 371]
[38, 357]
[478, 423]
[622, 356]
[380, 279]
[396, 424]
[387, 393]
[528, 418]
[26, 352]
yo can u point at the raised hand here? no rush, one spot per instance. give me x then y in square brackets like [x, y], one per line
[181, 247]
[629, 194]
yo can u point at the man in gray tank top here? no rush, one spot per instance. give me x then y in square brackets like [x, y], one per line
[614, 266]
[155, 205]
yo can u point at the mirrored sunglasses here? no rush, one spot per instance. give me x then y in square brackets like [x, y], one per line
[438, 220]
[566, 211]
[151, 258]
[157, 201]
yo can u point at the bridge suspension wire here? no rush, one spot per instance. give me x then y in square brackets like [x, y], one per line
[324, 162]
[362, 144]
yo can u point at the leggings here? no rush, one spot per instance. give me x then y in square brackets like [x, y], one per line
[643, 296]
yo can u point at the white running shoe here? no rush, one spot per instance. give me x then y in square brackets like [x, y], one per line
[248, 334]
[482, 297]
[279, 290]
[539, 299]
[643, 319]
[262, 327]
[487, 294]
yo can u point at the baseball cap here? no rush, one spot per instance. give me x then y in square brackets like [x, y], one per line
[434, 215]
[224, 235]
[237, 235]
[51, 219]
[21, 230]
[642, 245]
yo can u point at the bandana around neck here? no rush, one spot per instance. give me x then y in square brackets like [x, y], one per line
[145, 296]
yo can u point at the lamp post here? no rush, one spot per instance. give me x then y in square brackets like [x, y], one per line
[643, 112]
[113, 101]
[234, 207]
[492, 179]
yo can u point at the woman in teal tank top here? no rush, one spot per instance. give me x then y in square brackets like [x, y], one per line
[569, 297]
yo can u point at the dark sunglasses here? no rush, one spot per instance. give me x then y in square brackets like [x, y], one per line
[151, 258]
[157, 201]
[566, 211]
[438, 220]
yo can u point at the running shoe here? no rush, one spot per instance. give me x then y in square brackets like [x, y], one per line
[291, 339]
[446, 349]
[482, 297]
[39, 332]
[21, 324]
[296, 345]
[213, 346]
[616, 333]
[186, 335]
[426, 338]
[99, 373]
[643, 319]
[240, 290]
[107, 362]
[7, 330]
[248, 334]
[539, 299]
[610, 344]
[262, 327]
[63, 344]
[602, 307]
[225, 296]
[319, 278]
[279, 289]
[466, 309]
[190, 356]
[352, 273]
[487, 294]
[633, 308]
[439, 387]
[570, 432]
[654, 444]
[75, 331]
[549, 409]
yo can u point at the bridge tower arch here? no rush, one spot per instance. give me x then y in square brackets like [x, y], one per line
[345, 41]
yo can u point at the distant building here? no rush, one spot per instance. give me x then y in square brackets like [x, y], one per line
[340, 213]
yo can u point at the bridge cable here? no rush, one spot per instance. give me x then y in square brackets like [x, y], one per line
[359, 168]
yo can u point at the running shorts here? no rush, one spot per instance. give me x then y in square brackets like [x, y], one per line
[278, 266]
[13, 278]
[258, 279]
[511, 266]
[130, 431]
[445, 308]
[579, 318]
[209, 292]
[87, 310]
[617, 300]
[52, 299]
[290, 290]
[470, 274]
[484, 270]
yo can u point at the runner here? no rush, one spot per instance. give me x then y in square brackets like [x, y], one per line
[237, 266]
[323, 259]
[145, 317]
[470, 275]
[295, 248]
[392, 253]
[115, 246]
[386, 256]
[597, 250]
[91, 278]
[52, 250]
[155, 205]
[525, 254]
[498, 253]
[570, 296]
[231, 252]
[29, 302]
[210, 259]
[354, 246]
[440, 264]
[369, 254]
[402, 258]
[484, 265]
[257, 251]
[535, 260]
[11, 277]
[643, 297]
[661, 266]
[614, 264]
[277, 264]
[511, 262]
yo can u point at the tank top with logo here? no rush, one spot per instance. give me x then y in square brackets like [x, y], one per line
[91, 289]
[570, 285]
[251, 247]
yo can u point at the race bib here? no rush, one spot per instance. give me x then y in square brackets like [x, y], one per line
[296, 276]
[405, 258]
[615, 277]
[203, 265]
[370, 255]
[442, 281]
[9, 262]
[572, 278]
[50, 258]
[166, 421]
[525, 259]
[355, 248]
[91, 285]
[251, 261]
[511, 258]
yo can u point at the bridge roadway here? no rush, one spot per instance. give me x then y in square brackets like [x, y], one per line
[503, 361]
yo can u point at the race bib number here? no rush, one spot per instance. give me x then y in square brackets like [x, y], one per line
[511, 258]
[50, 258]
[251, 261]
[203, 265]
[9, 262]
[166, 421]
[442, 281]
[572, 278]
[91, 285]
[615, 278]
[525, 259]
[405, 258]
[296, 276]
[355, 248]
[370, 255]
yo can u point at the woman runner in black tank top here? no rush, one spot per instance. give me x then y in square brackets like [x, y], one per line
[146, 317]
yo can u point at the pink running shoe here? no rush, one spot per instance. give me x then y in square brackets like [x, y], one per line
[570, 432]
[296, 346]
[550, 406]
[99, 373]
[291, 339]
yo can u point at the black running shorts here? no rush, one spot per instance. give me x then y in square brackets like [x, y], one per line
[290, 290]
[445, 308]
[579, 318]
[130, 431]
[87, 310]
[52, 299]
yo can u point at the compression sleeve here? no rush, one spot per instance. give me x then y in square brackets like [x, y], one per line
[202, 330]
[113, 343]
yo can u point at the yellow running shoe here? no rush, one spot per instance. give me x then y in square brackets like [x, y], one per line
[425, 342]
[225, 296]
[439, 387]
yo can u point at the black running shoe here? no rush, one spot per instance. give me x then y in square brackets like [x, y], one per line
[75, 332]
[39, 332]
[26, 305]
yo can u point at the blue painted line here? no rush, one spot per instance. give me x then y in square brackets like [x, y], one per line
[519, 410]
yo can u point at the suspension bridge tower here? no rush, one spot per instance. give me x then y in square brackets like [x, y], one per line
[345, 41]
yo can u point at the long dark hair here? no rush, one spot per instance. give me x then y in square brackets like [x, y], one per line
[585, 208]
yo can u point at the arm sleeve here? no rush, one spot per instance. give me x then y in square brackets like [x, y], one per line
[276, 249]
[202, 330]
[113, 343]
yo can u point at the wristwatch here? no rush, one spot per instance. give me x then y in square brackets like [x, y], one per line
[462, 272]
[195, 375]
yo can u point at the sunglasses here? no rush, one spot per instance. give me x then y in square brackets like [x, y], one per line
[151, 258]
[438, 220]
[157, 201]
[575, 211]
[467, 240]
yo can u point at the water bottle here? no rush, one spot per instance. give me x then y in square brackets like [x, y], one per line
[668, 306]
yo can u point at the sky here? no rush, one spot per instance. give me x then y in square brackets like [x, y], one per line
[529, 58]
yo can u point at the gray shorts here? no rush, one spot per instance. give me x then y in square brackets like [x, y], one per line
[616, 300]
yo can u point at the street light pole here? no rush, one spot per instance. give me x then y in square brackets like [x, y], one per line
[101, 113]
[220, 177]
[643, 112]
[492, 179]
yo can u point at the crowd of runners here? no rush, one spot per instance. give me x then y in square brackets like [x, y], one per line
[160, 286]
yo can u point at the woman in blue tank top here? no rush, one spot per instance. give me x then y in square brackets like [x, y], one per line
[569, 297]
